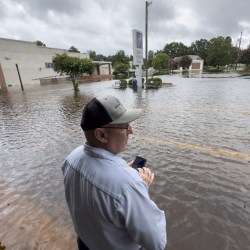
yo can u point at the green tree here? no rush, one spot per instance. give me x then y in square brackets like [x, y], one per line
[41, 44]
[92, 55]
[100, 57]
[185, 62]
[150, 58]
[175, 49]
[200, 48]
[160, 61]
[120, 57]
[73, 49]
[72, 66]
[121, 68]
[245, 57]
[96, 57]
[220, 52]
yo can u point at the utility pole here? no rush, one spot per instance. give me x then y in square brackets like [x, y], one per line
[238, 51]
[146, 40]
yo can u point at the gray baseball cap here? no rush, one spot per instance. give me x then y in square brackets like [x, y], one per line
[106, 110]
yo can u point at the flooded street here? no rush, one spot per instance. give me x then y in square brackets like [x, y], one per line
[195, 136]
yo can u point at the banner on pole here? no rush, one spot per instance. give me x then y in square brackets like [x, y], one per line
[137, 47]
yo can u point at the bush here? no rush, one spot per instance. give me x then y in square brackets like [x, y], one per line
[123, 83]
[155, 79]
[154, 83]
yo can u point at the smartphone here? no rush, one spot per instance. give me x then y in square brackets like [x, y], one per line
[139, 162]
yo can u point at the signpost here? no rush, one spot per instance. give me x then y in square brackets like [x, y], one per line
[138, 55]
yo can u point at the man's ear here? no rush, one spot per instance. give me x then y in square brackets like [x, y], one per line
[101, 135]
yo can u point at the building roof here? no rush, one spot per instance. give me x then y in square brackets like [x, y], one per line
[195, 57]
[101, 62]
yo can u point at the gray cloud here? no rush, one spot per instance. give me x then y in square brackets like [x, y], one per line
[106, 25]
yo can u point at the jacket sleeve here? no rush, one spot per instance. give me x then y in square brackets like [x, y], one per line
[144, 221]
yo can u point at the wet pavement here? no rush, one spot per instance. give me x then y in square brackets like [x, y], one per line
[195, 136]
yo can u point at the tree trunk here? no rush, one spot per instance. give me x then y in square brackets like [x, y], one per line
[75, 83]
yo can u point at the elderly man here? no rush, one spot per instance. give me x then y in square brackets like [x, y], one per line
[107, 198]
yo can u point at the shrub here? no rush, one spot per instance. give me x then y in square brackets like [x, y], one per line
[155, 79]
[154, 83]
[123, 83]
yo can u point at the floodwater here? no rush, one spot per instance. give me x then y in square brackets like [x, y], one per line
[195, 135]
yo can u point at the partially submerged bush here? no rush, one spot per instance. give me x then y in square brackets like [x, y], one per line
[123, 83]
[154, 83]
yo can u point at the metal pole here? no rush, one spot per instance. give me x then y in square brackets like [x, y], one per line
[238, 52]
[146, 43]
[19, 77]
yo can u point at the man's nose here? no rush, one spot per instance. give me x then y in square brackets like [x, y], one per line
[130, 130]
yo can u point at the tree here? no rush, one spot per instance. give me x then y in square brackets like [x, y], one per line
[73, 49]
[160, 61]
[174, 63]
[96, 57]
[244, 57]
[100, 57]
[175, 49]
[121, 68]
[72, 66]
[150, 57]
[92, 55]
[41, 44]
[185, 62]
[120, 57]
[200, 48]
[220, 52]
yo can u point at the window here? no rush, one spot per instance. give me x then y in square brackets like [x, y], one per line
[48, 65]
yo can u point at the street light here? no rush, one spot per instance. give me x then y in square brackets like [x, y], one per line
[16, 63]
[146, 40]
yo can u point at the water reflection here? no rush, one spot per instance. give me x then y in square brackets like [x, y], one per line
[195, 136]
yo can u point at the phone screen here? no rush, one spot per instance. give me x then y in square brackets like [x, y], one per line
[139, 162]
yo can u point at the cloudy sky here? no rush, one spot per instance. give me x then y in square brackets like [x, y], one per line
[105, 26]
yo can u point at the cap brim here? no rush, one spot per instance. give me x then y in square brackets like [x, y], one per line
[128, 116]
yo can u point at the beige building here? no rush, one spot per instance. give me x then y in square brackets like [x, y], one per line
[197, 63]
[34, 63]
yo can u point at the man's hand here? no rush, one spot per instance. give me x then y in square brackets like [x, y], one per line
[130, 163]
[147, 175]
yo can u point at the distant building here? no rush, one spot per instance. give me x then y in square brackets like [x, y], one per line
[35, 63]
[197, 62]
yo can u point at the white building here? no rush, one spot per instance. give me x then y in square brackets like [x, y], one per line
[35, 62]
[197, 63]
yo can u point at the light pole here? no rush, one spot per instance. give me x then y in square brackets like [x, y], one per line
[16, 63]
[238, 51]
[146, 40]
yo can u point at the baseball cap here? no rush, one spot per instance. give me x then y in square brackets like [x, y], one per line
[106, 110]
